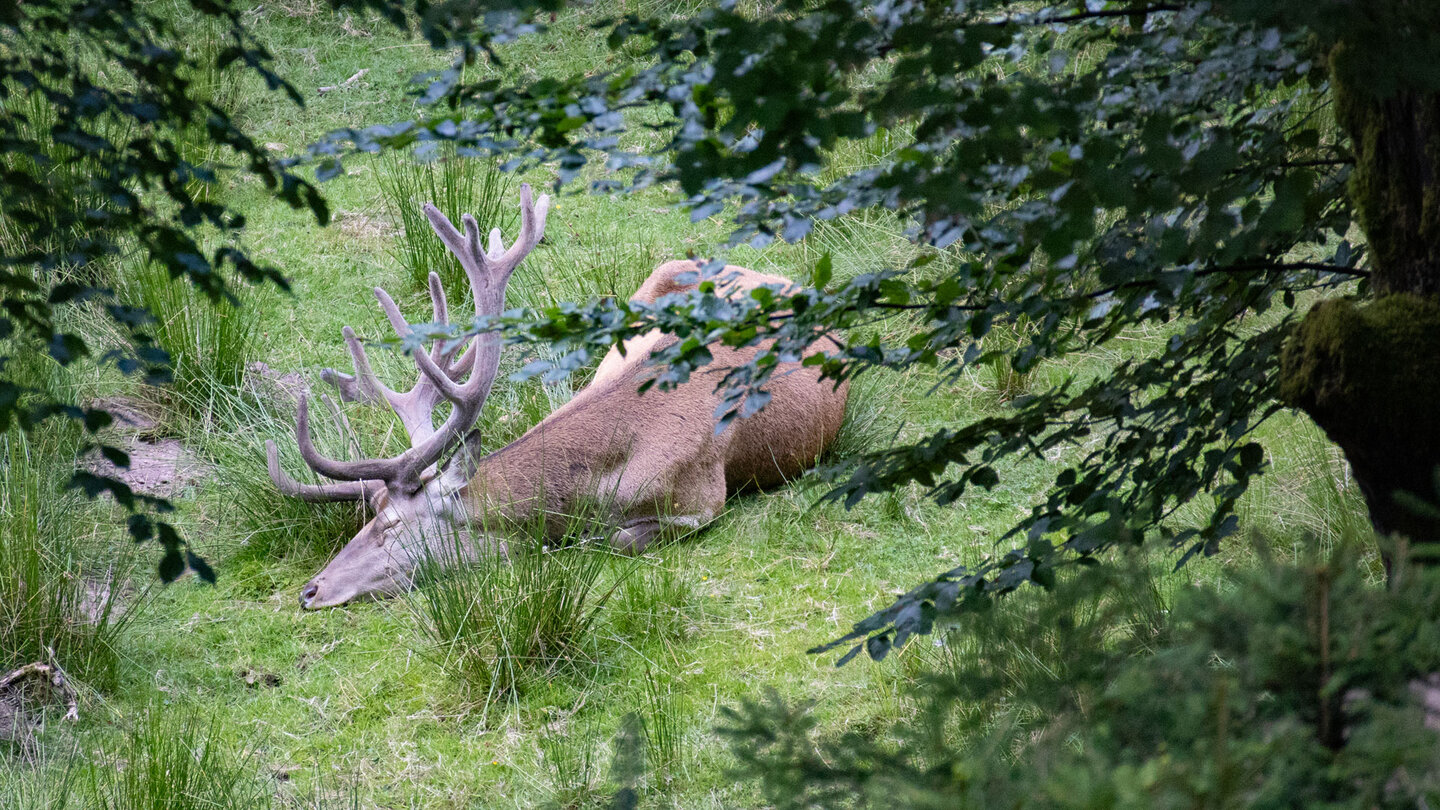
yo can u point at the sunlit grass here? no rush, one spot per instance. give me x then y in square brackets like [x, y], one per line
[456, 185]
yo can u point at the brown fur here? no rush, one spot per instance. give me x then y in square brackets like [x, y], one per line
[655, 458]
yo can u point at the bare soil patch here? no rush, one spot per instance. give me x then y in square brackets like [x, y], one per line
[159, 465]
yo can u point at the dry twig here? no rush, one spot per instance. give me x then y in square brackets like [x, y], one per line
[359, 74]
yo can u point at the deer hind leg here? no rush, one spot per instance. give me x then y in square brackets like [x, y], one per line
[694, 498]
[634, 536]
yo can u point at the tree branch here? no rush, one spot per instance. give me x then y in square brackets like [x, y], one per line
[1097, 15]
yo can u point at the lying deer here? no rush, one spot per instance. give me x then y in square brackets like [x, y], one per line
[654, 461]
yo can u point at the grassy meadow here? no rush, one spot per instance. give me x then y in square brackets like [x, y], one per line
[230, 696]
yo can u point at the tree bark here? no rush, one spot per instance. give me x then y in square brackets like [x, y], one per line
[1369, 373]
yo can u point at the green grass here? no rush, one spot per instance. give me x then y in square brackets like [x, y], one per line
[205, 42]
[655, 601]
[509, 684]
[503, 625]
[209, 343]
[49, 782]
[175, 759]
[456, 185]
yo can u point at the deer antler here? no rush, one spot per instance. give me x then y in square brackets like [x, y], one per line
[366, 491]
[464, 382]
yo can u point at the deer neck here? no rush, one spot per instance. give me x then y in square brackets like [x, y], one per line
[573, 454]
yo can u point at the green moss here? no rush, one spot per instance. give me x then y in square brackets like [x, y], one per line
[1371, 366]
[1369, 374]
[1396, 143]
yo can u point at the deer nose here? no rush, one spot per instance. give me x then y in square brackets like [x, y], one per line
[308, 593]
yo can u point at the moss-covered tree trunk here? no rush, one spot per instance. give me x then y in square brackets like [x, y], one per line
[1369, 373]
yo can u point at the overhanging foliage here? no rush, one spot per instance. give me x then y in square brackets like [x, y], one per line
[96, 97]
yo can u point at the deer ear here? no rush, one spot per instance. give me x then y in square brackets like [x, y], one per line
[458, 470]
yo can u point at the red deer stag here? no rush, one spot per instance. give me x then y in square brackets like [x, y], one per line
[653, 461]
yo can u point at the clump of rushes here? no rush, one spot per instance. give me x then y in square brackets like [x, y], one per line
[1009, 381]
[210, 343]
[53, 609]
[501, 624]
[172, 759]
[573, 758]
[41, 780]
[662, 719]
[456, 185]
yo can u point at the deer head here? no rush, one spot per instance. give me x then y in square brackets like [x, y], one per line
[415, 499]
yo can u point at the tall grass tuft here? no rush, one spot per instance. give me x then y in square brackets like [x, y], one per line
[573, 760]
[1009, 380]
[174, 760]
[456, 185]
[662, 720]
[501, 625]
[52, 607]
[49, 781]
[871, 419]
[653, 602]
[210, 343]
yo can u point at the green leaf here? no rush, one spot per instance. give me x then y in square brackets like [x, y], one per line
[820, 278]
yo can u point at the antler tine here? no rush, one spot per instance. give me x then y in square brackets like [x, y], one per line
[532, 229]
[439, 307]
[466, 249]
[441, 311]
[347, 385]
[392, 313]
[363, 385]
[458, 245]
[364, 374]
[370, 469]
[318, 493]
[439, 378]
[472, 241]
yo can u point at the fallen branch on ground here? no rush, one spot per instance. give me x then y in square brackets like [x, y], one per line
[359, 74]
[54, 675]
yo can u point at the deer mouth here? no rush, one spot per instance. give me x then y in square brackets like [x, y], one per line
[311, 597]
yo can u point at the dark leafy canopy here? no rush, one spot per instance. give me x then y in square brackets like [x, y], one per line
[93, 97]
[1085, 168]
